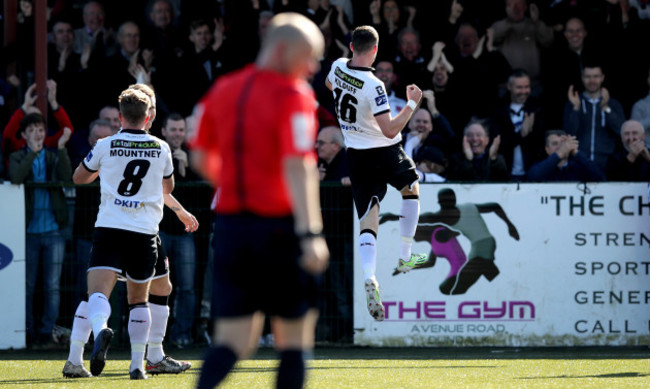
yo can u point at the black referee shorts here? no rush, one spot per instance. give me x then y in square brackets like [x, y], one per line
[256, 268]
[130, 254]
[371, 170]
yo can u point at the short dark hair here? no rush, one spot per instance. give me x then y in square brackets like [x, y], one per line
[364, 38]
[200, 23]
[175, 116]
[518, 73]
[30, 119]
[134, 105]
[548, 134]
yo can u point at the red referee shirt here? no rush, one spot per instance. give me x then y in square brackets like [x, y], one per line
[253, 119]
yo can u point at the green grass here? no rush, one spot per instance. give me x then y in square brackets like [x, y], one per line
[368, 368]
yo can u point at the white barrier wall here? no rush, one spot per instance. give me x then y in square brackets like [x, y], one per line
[12, 266]
[578, 275]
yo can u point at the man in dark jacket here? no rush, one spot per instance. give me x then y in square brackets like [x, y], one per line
[47, 215]
[564, 162]
[632, 162]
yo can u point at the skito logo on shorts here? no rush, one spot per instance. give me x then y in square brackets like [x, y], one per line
[6, 256]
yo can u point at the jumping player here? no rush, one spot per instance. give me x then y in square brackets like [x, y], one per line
[376, 158]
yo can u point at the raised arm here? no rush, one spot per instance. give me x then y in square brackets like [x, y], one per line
[391, 126]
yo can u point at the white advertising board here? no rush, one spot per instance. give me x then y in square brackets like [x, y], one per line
[573, 270]
[12, 266]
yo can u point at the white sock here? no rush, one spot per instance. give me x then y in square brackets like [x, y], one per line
[81, 330]
[368, 254]
[159, 316]
[139, 326]
[99, 310]
[407, 225]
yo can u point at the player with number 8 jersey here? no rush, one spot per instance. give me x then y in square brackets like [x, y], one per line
[133, 165]
[135, 170]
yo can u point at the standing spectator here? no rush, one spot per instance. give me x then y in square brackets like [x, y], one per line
[594, 117]
[94, 35]
[479, 68]
[564, 161]
[410, 65]
[521, 38]
[204, 61]
[115, 73]
[641, 109]
[388, 19]
[332, 160]
[519, 122]
[46, 216]
[179, 243]
[632, 163]
[272, 190]
[384, 71]
[563, 66]
[476, 162]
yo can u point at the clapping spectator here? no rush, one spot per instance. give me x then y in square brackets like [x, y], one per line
[564, 161]
[519, 122]
[428, 127]
[11, 140]
[46, 216]
[410, 65]
[563, 66]
[93, 36]
[593, 116]
[476, 162]
[479, 70]
[632, 163]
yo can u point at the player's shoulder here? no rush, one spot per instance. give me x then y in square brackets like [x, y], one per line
[163, 143]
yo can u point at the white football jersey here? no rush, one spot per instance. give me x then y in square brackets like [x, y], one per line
[132, 165]
[359, 96]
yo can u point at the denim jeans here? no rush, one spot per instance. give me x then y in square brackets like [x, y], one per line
[44, 251]
[182, 261]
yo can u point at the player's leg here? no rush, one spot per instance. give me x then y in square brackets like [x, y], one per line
[139, 324]
[81, 330]
[100, 286]
[293, 337]
[404, 178]
[157, 361]
[234, 339]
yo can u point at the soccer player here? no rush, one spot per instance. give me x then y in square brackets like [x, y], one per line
[135, 169]
[159, 292]
[375, 155]
[256, 134]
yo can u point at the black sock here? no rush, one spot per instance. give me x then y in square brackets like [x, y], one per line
[218, 362]
[291, 373]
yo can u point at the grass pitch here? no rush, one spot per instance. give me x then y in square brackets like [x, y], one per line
[367, 368]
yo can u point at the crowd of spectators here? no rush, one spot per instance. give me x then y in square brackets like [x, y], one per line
[515, 90]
